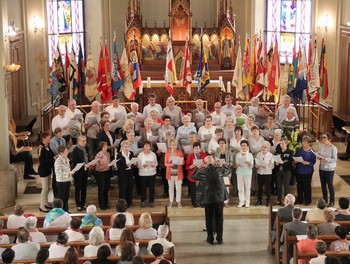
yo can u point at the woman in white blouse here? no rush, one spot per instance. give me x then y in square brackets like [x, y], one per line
[264, 163]
[35, 234]
[16, 220]
[96, 240]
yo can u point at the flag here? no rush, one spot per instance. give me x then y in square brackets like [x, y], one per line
[237, 79]
[91, 83]
[103, 75]
[203, 76]
[261, 71]
[293, 76]
[56, 83]
[124, 63]
[301, 80]
[135, 72]
[314, 75]
[73, 76]
[185, 73]
[273, 86]
[117, 76]
[246, 68]
[170, 72]
[285, 77]
[81, 72]
[323, 71]
[252, 69]
[67, 68]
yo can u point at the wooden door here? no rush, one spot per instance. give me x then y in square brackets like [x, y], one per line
[17, 91]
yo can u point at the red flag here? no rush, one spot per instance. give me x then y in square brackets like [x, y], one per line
[170, 72]
[185, 73]
[103, 75]
[323, 71]
[275, 73]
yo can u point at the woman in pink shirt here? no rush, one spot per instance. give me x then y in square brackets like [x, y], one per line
[308, 244]
[103, 175]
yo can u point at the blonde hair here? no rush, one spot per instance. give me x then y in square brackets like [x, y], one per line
[127, 123]
[145, 221]
[148, 120]
[96, 236]
[329, 215]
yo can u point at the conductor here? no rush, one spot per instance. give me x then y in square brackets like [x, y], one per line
[213, 196]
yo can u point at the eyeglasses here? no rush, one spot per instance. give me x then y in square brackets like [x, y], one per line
[323, 137]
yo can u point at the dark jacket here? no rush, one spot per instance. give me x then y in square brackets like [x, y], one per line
[121, 164]
[102, 136]
[78, 157]
[212, 183]
[46, 159]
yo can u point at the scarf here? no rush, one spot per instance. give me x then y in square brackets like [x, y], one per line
[90, 220]
[84, 151]
[54, 214]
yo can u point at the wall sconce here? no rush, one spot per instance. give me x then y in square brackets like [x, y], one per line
[324, 22]
[12, 68]
[37, 24]
[12, 30]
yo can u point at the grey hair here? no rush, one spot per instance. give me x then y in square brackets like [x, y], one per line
[129, 132]
[163, 231]
[31, 222]
[134, 104]
[1, 224]
[290, 198]
[292, 110]
[91, 209]
[185, 117]
[96, 236]
[279, 131]
[255, 99]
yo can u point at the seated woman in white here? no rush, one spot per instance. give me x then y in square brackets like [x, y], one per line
[74, 232]
[4, 239]
[115, 232]
[35, 234]
[127, 235]
[59, 249]
[16, 220]
[120, 208]
[96, 240]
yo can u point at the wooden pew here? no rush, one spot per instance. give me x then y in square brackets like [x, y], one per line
[57, 230]
[157, 218]
[292, 240]
[279, 228]
[309, 255]
[146, 258]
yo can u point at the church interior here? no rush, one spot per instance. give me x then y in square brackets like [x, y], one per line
[190, 50]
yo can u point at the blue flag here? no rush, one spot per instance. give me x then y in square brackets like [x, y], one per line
[203, 76]
[117, 73]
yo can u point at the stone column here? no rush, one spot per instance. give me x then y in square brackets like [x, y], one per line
[8, 182]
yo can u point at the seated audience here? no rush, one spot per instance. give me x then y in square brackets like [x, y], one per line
[343, 213]
[90, 219]
[127, 235]
[327, 228]
[59, 249]
[74, 233]
[25, 249]
[57, 217]
[35, 234]
[16, 220]
[117, 229]
[127, 253]
[308, 244]
[72, 256]
[8, 256]
[296, 227]
[146, 231]
[321, 249]
[96, 240]
[42, 256]
[120, 208]
[342, 244]
[163, 231]
[4, 239]
[157, 251]
[102, 256]
[137, 260]
[316, 214]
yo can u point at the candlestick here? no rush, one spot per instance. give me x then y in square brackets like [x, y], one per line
[228, 90]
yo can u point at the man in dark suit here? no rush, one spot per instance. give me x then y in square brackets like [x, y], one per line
[213, 196]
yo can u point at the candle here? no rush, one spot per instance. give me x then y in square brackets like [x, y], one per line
[228, 90]
[220, 81]
[141, 88]
[148, 82]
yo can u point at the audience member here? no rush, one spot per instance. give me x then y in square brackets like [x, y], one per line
[16, 220]
[59, 249]
[127, 253]
[72, 256]
[328, 228]
[117, 229]
[8, 256]
[74, 233]
[120, 207]
[57, 217]
[343, 213]
[102, 256]
[127, 235]
[308, 244]
[42, 256]
[137, 260]
[35, 234]
[96, 240]
[316, 214]
[146, 231]
[4, 239]
[321, 249]
[90, 219]
[342, 244]
[157, 251]
[163, 231]
[25, 249]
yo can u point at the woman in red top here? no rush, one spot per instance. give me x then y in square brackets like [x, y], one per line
[308, 244]
[174, 161]
[191, 167]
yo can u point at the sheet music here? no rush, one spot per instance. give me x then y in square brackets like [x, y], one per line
[216, 120]
[140, 119]
[92, 120]
[298, 159]
[199, 117]
[77, 167]
[149, 162]
[198, 162]
[117, 142]
[228, 134]
[134, 161]
[153, 139]
[260, 162]
[78, 116]
[183, 135]
[277, 159]
[188, 149]
[93, 162]
[207, 137]
[227, 180]
[240, 121]
[112, 163]
[155, 126]
[241, 160]
[71, 148]
[162, 147]
[177, 160]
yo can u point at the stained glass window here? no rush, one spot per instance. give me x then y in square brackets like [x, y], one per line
[65, 19]
[290, 22]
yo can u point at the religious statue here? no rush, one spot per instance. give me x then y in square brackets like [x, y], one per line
[226, 46]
